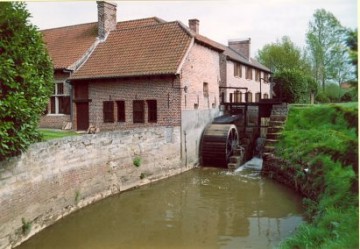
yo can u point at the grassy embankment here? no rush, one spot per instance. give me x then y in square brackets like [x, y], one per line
[49, 134]
[324, 140]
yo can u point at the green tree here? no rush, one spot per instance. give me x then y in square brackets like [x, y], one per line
[283, 55]
[26, 79]
[325, 39]
[293, 86]
[352, 43]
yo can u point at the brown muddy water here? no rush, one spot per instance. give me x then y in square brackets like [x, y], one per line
[202, 208]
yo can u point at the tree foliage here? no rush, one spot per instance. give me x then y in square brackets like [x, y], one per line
[327, 49]
[352, 43]
[292, 86]
[283, 55]
[26, 79]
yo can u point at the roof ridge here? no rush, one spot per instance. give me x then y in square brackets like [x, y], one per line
[152, 25]
[69, 26]
[89, 23]
[144, 18]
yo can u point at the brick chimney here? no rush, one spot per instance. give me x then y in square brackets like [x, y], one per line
[106, 18]
[241, 46]
[194, 25]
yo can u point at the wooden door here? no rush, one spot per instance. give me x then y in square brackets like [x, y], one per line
[82, 112]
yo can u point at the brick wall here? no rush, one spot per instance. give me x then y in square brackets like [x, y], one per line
[147, 88]
[202, 65]
[54, 178]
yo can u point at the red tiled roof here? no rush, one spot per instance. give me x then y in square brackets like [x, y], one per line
[235, 56]
[139, 23]
[209, 43]
[68, 44]
[148, 50]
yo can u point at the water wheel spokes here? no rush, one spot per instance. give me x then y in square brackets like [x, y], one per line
[232, 143]
[218, 144]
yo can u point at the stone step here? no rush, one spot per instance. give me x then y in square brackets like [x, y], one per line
[269, 148]
[232, 166]
[276, 123]
[270, 141]
[273, 136]
[268, 155]
[235, 159]
[275, 129]
[239, 152]
[278, 118]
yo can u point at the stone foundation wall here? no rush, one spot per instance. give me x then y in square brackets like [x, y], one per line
[55, 178]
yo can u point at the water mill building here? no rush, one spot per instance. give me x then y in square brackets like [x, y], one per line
[147, 73]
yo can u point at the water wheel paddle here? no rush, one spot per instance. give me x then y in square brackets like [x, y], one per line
[218, 143]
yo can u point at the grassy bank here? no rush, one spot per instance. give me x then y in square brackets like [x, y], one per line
[321, 142]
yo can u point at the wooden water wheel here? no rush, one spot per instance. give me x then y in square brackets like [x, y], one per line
[218, 143]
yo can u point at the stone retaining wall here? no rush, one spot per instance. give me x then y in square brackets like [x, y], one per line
[55, 178]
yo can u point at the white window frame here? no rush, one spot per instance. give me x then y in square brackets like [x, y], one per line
[56, 96]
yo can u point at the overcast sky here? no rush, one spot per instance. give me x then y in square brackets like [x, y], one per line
[264, 21]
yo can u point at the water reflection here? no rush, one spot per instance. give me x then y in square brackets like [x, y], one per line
[203, 208]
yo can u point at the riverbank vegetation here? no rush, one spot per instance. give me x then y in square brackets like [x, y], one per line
[321, 144]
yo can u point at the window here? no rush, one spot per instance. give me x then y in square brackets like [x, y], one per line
[266, 96]
[120, 110]
[237, 70]
[249, 73]
[249, 97]
[108, 110]
[138, 111]
[64, 104]
[206, 89]
[257, 75]
[59, 101]
[237, 95]
[266, 76]
[152, 111]
[257, 97]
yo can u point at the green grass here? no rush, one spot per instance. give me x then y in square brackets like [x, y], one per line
[324, 139]
[49, 134]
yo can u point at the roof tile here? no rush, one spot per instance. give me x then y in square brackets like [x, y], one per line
[68, 44]
[147, 50]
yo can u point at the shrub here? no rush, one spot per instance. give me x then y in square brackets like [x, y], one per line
[137, 161]
[26, 79]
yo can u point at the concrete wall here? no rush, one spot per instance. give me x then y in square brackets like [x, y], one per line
[193, 124]
[54, 178]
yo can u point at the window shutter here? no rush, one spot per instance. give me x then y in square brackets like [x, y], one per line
[138, 111]
[121, 110]
[108, 110]
[152, 111]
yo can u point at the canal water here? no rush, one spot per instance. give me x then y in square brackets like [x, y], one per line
[202, 208]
